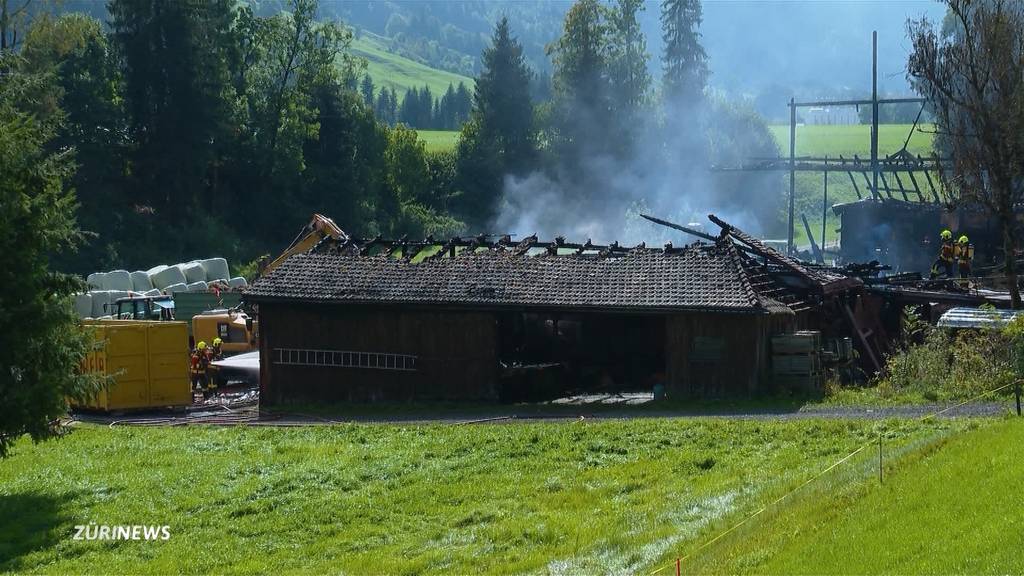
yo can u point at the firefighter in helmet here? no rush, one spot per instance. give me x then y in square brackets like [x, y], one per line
[199, 361]
[947, 251]
[964, 256]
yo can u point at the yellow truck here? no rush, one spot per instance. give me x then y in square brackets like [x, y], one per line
[147, 360]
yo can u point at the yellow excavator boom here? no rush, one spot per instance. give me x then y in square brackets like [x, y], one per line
[319, 227]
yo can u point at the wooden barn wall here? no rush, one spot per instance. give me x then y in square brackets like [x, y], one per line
[742, 369]
[456, 354]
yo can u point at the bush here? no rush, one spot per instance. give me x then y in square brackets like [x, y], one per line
[955, 364]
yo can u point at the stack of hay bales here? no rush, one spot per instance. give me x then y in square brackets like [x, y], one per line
[195, 276]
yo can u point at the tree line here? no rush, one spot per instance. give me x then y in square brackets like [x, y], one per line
[419, 107]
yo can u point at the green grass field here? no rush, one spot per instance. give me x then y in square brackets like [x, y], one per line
[952, 508]
[401, 73]
[439, 140]
[562, 497]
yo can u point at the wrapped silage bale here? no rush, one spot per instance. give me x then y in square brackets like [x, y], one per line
[193, 272]
[179, 287]
[156, 269]
[141, 282]
[83, 304]
[215, 268]
[153, 292]
[118, 280]
[238, 282]
[100, 300]
[97, 281]
[169, 276]
[199, 286]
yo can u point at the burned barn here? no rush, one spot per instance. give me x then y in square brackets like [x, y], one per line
[905, 234]
[474, 319]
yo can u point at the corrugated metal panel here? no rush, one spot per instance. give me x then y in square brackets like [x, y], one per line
[977, 318]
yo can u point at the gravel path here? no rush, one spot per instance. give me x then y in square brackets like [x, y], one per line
[249, 415]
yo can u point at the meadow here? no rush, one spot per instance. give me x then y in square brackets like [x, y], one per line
[552, 497]
[950, 508]
[401, 73]
[439, 140]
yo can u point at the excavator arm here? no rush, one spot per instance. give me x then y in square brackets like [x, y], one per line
[319, 227]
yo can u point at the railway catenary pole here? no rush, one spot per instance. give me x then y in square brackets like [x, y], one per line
[792, 172]
[824, 206]
[874, 111]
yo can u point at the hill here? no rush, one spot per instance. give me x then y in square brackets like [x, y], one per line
[394, 71]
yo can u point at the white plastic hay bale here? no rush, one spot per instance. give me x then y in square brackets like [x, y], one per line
[106, 317]
[179, 287]
[118, 280]
[193, 272]
[83, 304]
[199, 286]
[153, 292]
[168, 276]
[156, 269]
[215, 268]
[238, 282]
[96, 280]
[141, 281]
[100, 299]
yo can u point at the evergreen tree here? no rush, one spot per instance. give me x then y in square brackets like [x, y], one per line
[463, 104]
[178, 118]
[628, 73]
[366, 88]
[424, 108]
[579, 123]
[502, 104]
[409, 112]
[43, 345]
[685, 62]
[393, 107]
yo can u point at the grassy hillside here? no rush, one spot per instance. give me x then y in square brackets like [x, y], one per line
[400, 73]
[566, 497]
[954, 510]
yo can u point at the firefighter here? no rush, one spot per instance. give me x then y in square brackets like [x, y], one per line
[199, 361]
[216, 351]
[944, 262]
[964, 255]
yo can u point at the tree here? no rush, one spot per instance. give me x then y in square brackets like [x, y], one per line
[13, 17]
[501, 102]
[41, 344]
[582, 105]
[73, 53]
[685, 64]
[973, 75]
[179, 119]
[366, 88]
[627, 68]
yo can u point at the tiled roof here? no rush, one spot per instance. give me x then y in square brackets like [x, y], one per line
[699, 277]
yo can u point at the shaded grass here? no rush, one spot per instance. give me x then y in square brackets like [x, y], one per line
[949, 510]
[561, 497]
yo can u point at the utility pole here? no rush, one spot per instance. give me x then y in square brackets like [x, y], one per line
[874, 113]
[792, 172]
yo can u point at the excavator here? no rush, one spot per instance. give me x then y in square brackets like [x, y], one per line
[318, 229]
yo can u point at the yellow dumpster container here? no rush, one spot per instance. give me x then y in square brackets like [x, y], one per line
[147, 360]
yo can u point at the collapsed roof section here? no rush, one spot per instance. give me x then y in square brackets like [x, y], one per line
[735, 273]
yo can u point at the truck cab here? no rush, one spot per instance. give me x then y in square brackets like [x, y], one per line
[144, 308]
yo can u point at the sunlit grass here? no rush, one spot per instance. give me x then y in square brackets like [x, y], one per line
[590, 497]
[948, 510]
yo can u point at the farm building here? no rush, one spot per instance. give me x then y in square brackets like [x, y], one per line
[477, 320]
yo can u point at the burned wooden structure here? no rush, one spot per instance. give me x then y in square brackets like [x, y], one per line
[496, 318]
